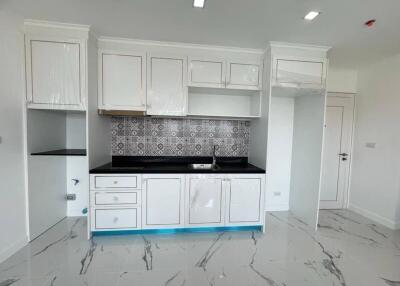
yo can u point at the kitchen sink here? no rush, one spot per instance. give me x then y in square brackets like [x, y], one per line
[203, 166]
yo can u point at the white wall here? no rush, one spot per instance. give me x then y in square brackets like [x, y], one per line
[12, 189]
[342, 80]
[280, 136]
[375, 182]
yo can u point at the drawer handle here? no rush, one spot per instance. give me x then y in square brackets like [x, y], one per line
[115, 182]
[115, 219]
[116, 198]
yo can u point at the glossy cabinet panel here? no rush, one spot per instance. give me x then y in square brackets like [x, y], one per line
[54, 73]
[163, 201]
[167, 85]
[122, 81]
[244, 201]
[205, 201]
[244, 75]
[207, 72]
[298, 72]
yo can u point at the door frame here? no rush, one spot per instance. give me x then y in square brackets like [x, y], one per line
[346, 195]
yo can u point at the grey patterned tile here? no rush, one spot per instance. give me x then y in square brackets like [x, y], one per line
[138, 136]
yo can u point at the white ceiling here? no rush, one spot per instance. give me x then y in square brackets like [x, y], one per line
[242, 23]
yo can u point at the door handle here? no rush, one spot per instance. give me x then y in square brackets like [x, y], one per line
[344, 156]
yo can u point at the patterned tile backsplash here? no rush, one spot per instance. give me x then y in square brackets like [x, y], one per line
[139, 136]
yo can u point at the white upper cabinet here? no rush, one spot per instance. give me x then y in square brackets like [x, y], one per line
[55, 65]
[55, 73]
[300, 72]
[298, 66]
[207, 72]
[167, 90]
[244, 75]
[122, 81]
[221, 73]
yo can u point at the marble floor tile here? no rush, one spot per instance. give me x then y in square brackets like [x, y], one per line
[347, 250]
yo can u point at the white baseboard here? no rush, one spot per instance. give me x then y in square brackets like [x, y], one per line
[277, 208]
[375, 217]
[6, 253]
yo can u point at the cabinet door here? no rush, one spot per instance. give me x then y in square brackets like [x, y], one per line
[244, 75]
[54, 74]
[205, 201]
[163, 201]
[207, 72]
[305, 73]
[167, 85]
[245, 201]
[122, 84]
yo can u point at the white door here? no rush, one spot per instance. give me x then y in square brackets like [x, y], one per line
[244, 201]
[205, 199]
[244, 75]
[336, 160]
[207, 72]
[54, 74]
[167, 90]
[122, 81]
[163, 201]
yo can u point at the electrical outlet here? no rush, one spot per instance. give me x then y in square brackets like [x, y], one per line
[70, 197]
[370, 145]
[277, 194]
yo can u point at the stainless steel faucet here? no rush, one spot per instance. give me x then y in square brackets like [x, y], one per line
[214, 159]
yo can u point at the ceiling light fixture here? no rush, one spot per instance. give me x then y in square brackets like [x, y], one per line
[198, 3]
[311, 15]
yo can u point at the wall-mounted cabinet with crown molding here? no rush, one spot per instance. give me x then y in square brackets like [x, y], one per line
[167, 79]
[56, 66]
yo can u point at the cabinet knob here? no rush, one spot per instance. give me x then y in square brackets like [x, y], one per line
[116, 198]
[115, 219]
[115, 182]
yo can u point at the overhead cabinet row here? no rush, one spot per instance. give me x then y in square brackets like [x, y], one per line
[156, 79]
[158, 83]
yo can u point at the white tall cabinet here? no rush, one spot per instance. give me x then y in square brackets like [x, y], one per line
[295, 84]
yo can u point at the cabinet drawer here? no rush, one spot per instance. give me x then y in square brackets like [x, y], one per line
[117, 218]
[116, 198]
[116, 182]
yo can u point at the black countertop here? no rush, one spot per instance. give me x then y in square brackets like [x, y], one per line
[170, 165]
[62, 152]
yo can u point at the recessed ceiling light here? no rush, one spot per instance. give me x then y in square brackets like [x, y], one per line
[198, 3]
[311, 15]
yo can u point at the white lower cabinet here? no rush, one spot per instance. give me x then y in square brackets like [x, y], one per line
[176, 201]
[205, 200]
[245, 200]
[163, 201]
